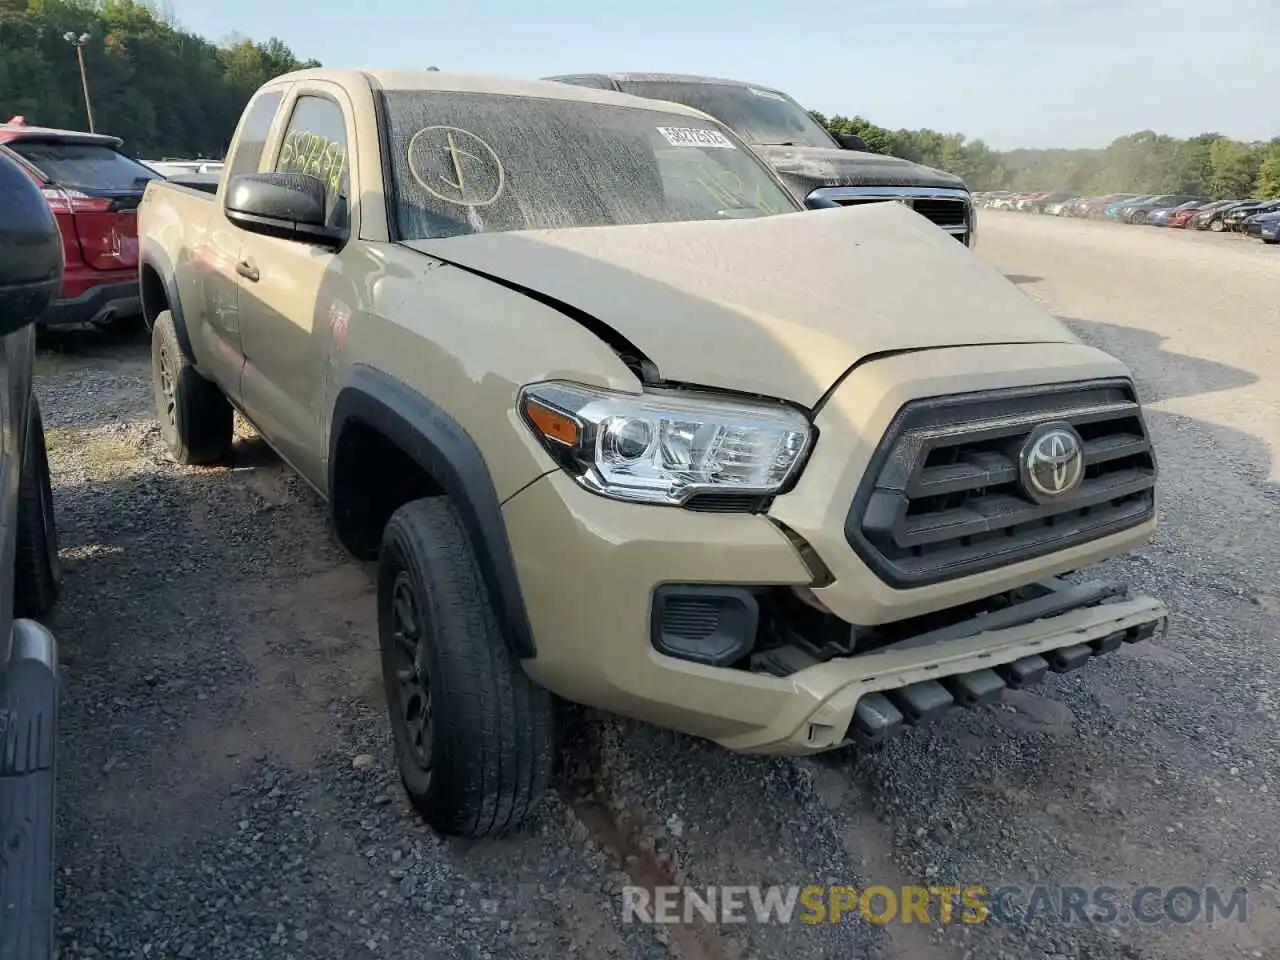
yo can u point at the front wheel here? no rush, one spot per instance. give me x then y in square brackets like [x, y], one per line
[1217, 226]
[474, 736]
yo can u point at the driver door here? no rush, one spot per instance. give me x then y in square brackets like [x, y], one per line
[294, 296]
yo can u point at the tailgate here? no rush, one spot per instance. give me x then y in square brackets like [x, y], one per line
[98, 188]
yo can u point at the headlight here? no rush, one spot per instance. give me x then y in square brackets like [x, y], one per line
[664, 447]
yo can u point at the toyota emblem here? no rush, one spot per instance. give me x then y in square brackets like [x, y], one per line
[1051, 465]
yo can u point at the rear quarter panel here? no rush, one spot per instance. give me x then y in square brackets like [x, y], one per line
[174, 220]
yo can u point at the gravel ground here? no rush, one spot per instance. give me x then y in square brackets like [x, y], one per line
[226, 783]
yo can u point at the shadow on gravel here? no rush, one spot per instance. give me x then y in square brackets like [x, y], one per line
[1161, 374]
[226, 789]
[88, 342]
[225, 778]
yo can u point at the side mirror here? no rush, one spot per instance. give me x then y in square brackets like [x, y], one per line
[31, 259]
[851, 141]
[290, 206]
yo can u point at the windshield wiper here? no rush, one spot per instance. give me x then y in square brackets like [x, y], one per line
[780, 143]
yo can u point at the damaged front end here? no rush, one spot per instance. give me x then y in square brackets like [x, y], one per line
[796, 633]
[863, 685]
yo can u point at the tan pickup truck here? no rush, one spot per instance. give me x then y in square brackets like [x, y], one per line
[623, 424]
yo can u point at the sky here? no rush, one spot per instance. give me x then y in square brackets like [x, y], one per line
[1015, 73]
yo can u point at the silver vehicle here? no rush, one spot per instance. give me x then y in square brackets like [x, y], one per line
[31, 264]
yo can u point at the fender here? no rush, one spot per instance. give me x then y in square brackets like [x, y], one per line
[151, 254]
[448, 455]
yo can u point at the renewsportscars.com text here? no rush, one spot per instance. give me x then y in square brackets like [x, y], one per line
[938, 904]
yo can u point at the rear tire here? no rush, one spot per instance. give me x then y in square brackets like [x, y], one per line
[474, 736]
[1217, 226]
[195, 417]
[37, 574]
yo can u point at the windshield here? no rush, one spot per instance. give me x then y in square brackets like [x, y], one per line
[755, 114]
[488, 163]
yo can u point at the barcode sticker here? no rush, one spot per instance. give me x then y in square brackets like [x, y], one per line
[696, 137]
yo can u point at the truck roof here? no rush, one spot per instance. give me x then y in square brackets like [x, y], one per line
[424, 79]
[634, 77]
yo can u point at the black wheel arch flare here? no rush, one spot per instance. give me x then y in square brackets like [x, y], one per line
[152, 257]
[450, 457]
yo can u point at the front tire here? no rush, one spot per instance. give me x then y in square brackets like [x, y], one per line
[195, 417]
[37, 574]
[1217, 225]
[474, 736]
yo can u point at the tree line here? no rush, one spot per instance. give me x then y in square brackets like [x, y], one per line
[168, 92]
[163, 90]
[1209, 165]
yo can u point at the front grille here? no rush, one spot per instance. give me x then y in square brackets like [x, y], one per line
[945, 213]
[950, 209]
[943, 497]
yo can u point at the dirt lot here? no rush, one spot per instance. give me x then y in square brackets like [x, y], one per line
[226, 785]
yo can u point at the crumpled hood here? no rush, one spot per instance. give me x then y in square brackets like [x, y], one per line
[804, 168]
[778, 306]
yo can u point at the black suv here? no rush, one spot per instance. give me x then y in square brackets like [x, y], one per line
[31, 265]
[822, 169]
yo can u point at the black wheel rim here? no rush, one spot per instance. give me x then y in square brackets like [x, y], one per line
[411, 674]
[168, 391]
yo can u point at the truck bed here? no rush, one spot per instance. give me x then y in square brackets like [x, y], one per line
[203, 182]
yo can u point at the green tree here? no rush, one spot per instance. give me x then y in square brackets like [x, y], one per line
[1209, 165]
[1269, 170]
[163, 90]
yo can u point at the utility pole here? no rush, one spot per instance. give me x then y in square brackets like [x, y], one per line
[78, 42]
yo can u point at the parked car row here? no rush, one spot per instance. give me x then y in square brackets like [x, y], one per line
[1253, 217]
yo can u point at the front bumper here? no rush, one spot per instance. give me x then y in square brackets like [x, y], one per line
[97, 305]
[591, 569]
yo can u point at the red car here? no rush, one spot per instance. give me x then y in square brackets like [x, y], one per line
[94, 190]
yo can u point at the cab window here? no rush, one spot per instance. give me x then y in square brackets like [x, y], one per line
[253, 134]
[315, 142]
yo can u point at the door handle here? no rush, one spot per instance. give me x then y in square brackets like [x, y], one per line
[248, 269]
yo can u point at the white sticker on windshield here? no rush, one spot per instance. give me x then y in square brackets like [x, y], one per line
[769, 94]
[696, 137]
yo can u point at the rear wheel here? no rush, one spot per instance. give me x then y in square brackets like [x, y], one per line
[473, 734]
[1216, 225]
[195, 418]
[37, 575]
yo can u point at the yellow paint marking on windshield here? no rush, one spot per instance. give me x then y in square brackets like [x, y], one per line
[478, 177]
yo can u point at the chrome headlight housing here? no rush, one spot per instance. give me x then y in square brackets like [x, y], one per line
[666, 446]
